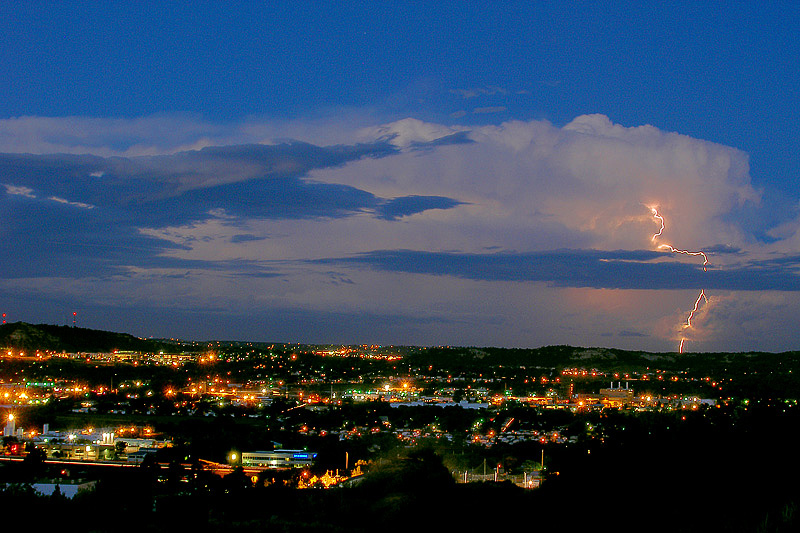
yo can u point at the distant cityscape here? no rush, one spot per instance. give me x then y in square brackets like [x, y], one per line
[197, 415]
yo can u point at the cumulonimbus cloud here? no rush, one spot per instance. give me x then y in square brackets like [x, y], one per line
[521, 202]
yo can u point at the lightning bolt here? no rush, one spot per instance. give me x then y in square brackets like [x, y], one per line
[687, 252]
[661, 219]
[702, 295]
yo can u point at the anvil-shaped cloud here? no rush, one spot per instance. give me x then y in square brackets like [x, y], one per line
[402, 225]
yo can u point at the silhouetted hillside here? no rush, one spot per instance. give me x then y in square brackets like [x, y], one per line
[607, 359]
[23, 336]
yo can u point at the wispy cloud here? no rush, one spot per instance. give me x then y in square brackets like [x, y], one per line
[16, 190]
[479, 91]
[489, 110]
[73, 204]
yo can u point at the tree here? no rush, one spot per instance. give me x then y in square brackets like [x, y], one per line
[33, 463]
[406, 486]
[236, 480]
[531, 466]
[119, 449]
[175, 473]
[9, 443]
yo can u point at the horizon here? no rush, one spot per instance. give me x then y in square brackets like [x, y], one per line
[423, 346]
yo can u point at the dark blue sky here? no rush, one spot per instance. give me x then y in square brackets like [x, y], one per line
[719, 72]
[402, 164]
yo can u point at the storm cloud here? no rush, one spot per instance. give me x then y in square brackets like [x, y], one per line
[406, 223]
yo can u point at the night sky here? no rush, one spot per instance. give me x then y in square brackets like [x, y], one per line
[404, 172]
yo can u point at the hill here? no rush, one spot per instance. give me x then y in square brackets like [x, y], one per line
[606, 359]
[24, 336]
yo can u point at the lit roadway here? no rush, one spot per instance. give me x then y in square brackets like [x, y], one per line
[209, 466]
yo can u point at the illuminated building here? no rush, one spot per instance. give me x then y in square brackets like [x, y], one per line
[279, 458]
[617, 396]
[10, 429]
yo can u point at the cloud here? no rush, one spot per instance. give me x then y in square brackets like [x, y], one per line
[722, 249]
[470, 224]
[169, 133]
[190, 182]
[410, 205]
[108, 137]
[244, 238]
[478, 91]
[16, 190]
[412, 132]
[143, 196]
[223, 165]
[592, 177]
[626, 333]
[597, 269]
[73, 204]
[489, 110]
